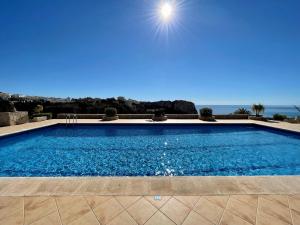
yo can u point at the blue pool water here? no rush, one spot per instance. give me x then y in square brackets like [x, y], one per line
[150, 150]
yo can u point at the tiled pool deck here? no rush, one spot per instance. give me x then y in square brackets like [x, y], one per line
[264, 200]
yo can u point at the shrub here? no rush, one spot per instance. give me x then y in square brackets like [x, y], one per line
[206, 112]
[38, 109]
[49, 115]
[7, 106]
[110, 112]
[279, 117]
[242, 111]
[159, 113]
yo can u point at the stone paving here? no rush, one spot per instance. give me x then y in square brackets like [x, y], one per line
[151, 210]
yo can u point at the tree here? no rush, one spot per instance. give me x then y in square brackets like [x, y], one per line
[258, 108]
[242, 111]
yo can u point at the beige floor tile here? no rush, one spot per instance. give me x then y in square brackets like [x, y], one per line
[141, 210]
[87, 219]
[95, 201]
[279, 199]
[51, 219]
[296, 217]
[294, 201]
[242, 210]
[35, 208]
[127, 201]
[249, 199]
[195, 219]
[158, 203]
[123, 219]
[266, 219]
[11, 205]
[274, 209]
[72, 208]
[220, 200]
[189, 201]
[13, 219]
[209, 210]
[159, 219]
[175, 210]
[106, 211]
[11, 210]
[230, 219]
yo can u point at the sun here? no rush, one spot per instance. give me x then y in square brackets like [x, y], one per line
[166, 16]
[166, 11]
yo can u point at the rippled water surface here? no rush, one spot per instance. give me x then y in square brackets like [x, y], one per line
[150, 150]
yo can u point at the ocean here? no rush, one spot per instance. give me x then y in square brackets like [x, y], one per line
[270, 110]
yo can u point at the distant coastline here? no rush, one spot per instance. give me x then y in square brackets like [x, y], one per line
[288, 110]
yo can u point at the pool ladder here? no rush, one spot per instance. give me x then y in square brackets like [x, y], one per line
[71, 119]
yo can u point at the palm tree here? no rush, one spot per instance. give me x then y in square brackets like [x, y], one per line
[258, 108]
[242, 111]
[296, 107]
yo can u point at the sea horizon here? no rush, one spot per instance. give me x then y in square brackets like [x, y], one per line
[270, 110]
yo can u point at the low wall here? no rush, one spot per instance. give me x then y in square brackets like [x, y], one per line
[182, 116]
[39, 118]
[135, 116]
[131, 116]
[149, 116]
[232, 117]
[81, 116]
[13, 118]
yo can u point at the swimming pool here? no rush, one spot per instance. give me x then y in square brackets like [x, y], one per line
[150, 150]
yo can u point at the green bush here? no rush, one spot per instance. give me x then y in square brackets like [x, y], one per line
[159, 113]
[49, 115]
[110, 112]
[242, 111]
[279, 117]
[206, 112]
[7, 106]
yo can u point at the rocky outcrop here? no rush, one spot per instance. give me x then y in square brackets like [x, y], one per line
[184, 107]
[97, 106]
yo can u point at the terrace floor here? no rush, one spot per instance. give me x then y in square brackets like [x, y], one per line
[263, 200]
[151, 210]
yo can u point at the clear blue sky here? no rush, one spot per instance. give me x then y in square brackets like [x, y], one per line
[217, 52]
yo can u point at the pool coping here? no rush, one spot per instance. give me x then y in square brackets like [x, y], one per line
[54, 122]
[194, 185]
[180, 185]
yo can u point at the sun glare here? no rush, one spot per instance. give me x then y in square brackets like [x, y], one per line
[166, 16]
[166, 11]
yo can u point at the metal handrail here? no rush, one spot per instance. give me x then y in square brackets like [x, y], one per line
[71, 117]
